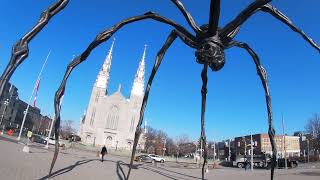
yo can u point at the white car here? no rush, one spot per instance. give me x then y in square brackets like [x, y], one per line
[156, 158]
[52, 141]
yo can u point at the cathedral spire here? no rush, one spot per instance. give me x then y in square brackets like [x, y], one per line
[138, 85]
[104, 74]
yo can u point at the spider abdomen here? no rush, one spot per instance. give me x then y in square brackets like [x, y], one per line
[211, 52]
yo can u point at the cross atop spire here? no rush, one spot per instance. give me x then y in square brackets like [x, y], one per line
[104, 74]
[138, 85]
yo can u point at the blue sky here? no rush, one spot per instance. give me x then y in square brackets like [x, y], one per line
[235, 101]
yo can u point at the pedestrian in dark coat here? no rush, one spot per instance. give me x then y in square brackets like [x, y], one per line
[103, 152]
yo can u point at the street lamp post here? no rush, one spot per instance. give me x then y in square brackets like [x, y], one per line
[49, 135]
[308, 149]
[178, 149]
[284, 152]
[245, 146]
[251, 152]
[214, 151]
[164, 146]
[6, 102]
[229, 155]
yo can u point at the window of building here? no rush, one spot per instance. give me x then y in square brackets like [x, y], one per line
[132, 124]
[129, 145]
[97, 96]
[92, 116]
[113, 118]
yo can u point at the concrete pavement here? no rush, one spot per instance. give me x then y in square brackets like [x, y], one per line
[81, 165]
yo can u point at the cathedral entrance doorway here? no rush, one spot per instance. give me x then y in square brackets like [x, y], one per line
[129, 145]
[88, 139]
[108, 141]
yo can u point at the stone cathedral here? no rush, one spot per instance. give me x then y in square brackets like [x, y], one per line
[111, 118]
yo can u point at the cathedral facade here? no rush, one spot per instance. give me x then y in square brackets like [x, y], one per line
[111, 119]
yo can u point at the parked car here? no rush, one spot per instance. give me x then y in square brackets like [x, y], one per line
[38, 139]
[74, 138]
[144, 158]
[52, 141]
[156, 158]
[290, 163]
[263, 161]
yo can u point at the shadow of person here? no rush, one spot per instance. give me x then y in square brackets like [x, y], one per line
[67, 169]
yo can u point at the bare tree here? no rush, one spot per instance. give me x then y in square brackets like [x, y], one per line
[182, 139]
[150, 140]
[171, 147]
[313, 129]
[67, 129]
[187, 148]
[313, 126]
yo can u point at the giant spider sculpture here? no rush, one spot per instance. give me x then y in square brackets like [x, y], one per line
[209, 41]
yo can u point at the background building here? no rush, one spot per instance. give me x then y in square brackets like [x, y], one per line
[262, 144]
[12, 111]
[111, 119]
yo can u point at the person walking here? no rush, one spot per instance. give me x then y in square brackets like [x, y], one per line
[103, 152]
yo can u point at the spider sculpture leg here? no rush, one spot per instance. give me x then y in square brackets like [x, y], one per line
[204, 78]
[172, 36]
[20, 50]
[187, 37]
[187, 15]
[161, 53]
[263, 76]
[283, 18]
[214, 17]
[243, 16]
[231, 29]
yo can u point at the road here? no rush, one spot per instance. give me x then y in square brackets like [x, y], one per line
[80, 165]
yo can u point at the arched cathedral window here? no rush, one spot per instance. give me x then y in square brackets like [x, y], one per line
[113, 118]
[92, 116]
[97, 96]
[132, 124]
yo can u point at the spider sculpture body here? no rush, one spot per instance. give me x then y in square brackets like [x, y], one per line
[209, 42]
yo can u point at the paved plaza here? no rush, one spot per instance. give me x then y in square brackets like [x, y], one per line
[83, 165]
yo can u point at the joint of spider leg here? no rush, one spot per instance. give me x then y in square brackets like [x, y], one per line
[210, 51]
[20, 48]
[204, 91]
[44, 15]
[149, 13]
